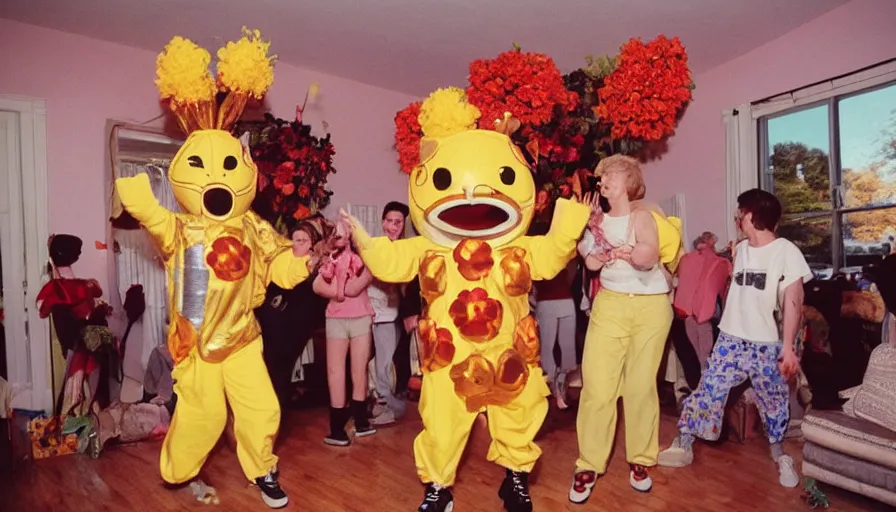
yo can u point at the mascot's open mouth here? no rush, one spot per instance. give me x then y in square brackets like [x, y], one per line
[482, 217]
[218, 201]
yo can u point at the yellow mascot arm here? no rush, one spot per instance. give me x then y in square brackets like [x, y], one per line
[671, 247]
[551, 253]
[388, 261]
[137, 198]
[275, 252]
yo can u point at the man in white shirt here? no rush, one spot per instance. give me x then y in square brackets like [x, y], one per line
[769, 273]
[384, 298]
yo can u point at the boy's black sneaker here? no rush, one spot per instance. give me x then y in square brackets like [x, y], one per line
[271, 493]
[337, 436]
[515, 492]
[437, 499]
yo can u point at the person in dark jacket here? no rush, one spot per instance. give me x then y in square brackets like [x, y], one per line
[289, 318]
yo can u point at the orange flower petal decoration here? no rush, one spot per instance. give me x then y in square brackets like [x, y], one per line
[407, 137]
[512, 373]
[476, 315]
[525, 340]
[432, 276]
[473, 258]
[474, 379]
[438, 345]
[517, 276]
[182, 337]
[229, 259]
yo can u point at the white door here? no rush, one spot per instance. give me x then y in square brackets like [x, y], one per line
[12, 253]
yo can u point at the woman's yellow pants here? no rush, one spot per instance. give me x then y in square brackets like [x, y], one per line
[447, 425]
[623, 348]
[203, 391]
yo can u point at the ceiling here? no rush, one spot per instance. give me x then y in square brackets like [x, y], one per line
[415, 46]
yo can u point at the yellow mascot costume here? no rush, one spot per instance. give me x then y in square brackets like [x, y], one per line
[220, 257]
[472, 199]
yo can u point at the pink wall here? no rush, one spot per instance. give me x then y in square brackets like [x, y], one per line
[848, 38]
[86, 81]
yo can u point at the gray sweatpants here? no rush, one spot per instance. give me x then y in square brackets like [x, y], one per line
[557, 324]
[385, 340]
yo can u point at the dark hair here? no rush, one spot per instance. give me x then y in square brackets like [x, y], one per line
[764, 206]
[395, 206]
[308, 229]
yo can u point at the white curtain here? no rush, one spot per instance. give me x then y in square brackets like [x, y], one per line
[742, 152]
[675, 207]
[137, 262]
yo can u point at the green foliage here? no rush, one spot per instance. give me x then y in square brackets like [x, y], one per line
[599, 67]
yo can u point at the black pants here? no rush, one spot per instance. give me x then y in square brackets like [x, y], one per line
[686, 353]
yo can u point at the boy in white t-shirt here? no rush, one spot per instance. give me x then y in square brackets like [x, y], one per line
[769, 273]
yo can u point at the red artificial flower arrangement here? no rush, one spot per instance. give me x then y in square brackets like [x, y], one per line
[643, 97]
[407, 137]
[528, 85]
[293, 168]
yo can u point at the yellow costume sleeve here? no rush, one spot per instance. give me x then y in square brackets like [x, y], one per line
[275, 252]
[137, 198]
[388, 261]
[670, 244]
[551, 253]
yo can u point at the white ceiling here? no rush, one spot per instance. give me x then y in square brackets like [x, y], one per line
[417, 45]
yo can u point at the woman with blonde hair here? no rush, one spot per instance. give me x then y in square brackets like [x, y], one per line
[628, 327]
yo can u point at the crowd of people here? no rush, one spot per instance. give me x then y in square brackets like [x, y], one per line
[722, 318]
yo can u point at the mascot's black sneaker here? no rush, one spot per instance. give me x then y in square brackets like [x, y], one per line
[271, 493]
[437, 499]
[515, 492]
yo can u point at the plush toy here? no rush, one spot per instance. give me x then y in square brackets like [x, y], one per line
[472, 199]
[220, 258]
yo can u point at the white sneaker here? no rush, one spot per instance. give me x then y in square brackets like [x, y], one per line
[582, 485]
[675, 456]
[639, 479]
[787, 476]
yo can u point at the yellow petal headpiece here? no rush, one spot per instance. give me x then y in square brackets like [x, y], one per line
[182, 75]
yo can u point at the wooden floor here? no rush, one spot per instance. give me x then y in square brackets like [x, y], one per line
[377, 474]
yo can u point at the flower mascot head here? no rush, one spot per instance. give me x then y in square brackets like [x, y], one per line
[469, 184]
[213, 174]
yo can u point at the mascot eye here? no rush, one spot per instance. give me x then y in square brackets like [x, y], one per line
[230, 163]
[441, 178]
[508, 175]
[196, 161]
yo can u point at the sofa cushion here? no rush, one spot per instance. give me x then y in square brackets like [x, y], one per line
[852, 436]
[876, 397]
[859, 470]
[821, 474]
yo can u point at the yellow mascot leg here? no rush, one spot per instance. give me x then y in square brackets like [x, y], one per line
[640, 400]
[513, 427]
[199, 419]
[446, 428]
[256, 411]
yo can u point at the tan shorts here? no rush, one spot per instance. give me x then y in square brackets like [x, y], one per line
[348, 328]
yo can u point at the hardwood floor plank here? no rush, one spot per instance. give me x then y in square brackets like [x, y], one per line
[377, 474]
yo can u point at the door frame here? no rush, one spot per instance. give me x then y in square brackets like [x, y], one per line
[28, 358]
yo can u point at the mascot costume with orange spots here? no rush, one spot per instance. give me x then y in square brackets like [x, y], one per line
[472, 199]
[220, 258]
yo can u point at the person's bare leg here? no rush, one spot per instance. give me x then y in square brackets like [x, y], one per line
[360, 355]
[337, 349]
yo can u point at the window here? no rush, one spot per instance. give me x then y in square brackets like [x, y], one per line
[832, 163]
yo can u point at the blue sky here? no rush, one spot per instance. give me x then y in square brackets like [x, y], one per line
[863, 120]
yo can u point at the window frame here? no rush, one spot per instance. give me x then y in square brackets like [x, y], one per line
[829, 93]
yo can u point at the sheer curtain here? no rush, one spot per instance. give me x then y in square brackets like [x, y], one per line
[137, 262]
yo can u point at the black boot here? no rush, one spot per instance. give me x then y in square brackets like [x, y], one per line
[362, 422]
[338, 418]
[437, 499]
[515, 492]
